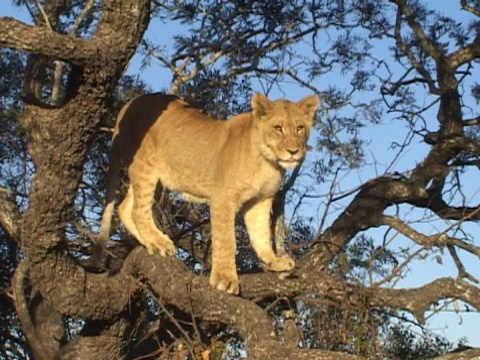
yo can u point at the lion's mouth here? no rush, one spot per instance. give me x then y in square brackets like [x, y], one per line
[288, 163]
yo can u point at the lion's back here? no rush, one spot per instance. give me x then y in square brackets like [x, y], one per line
[152, 121]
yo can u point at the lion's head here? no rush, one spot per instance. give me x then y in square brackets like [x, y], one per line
[283, 128]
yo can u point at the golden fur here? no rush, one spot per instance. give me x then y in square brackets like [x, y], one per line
[234, 165]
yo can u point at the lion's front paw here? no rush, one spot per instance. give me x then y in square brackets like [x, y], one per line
[282, 263]
[164, 248]
[225, 281]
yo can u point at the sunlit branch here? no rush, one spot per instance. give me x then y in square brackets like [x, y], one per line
[415, 300]
[9, 214]
[465, 54]
[472, 122]
[44, 15]
[469, 8]
[440, 239]
[41, 41]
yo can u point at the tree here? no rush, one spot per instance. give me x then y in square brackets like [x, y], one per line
[76, 54]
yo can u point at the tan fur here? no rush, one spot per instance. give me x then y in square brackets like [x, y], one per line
[234, 165]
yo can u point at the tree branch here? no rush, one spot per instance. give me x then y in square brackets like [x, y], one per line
[362, 213]
[40, 40]
[433, 50]
[175, 284]
[23, 313]
[471, 354]
[418, 65]
[469, 8]
[472, 122]
[441, 239]
[418, 300]
[9, 214]
[465, 54]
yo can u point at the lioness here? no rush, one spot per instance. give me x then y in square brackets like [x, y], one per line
[234, 165]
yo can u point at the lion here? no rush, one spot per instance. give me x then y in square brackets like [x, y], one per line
[234, 165]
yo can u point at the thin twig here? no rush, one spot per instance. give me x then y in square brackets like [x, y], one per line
[44, 15]
[178, 326]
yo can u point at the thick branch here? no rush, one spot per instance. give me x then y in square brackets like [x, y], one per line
[418, 300]
[39, 40]
[444, 211]
[472, 122]
[470, 354]
[58, 146]
[465, 54]
[362, 213]
[95, 296]
[173, 283]
[252, 321]
[273, 351]
[415, 300]
[471, 145]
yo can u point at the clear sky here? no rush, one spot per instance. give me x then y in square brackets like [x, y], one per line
[452, 325]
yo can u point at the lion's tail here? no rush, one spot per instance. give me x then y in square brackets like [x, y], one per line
[112, 182]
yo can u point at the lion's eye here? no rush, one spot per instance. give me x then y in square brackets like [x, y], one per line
[278, 128]
[300, 128]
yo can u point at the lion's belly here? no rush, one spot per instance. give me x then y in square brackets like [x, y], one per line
[201, 184]
[188, 184]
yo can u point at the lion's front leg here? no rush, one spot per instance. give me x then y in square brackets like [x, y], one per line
[224, 270]
[257, 219]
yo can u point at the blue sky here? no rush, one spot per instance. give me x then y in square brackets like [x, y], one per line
[379, 156]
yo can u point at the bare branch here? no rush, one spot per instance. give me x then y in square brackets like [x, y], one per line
[469, 8]
[78, 21]
[445, 211]
[418, 300]
[411, 57]
[472, 122]
[44, 15]
[427, 44]
[462, 273]
[441, 239]
[465, 54]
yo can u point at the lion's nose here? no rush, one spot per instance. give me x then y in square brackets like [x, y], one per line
[292, 151]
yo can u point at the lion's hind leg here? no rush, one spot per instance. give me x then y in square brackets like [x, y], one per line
[125, 214]
[136, 214]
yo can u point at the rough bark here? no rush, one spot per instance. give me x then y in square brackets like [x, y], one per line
[58, 138]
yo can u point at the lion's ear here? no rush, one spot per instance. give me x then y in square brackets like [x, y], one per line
[309, 106]
[261, 105]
